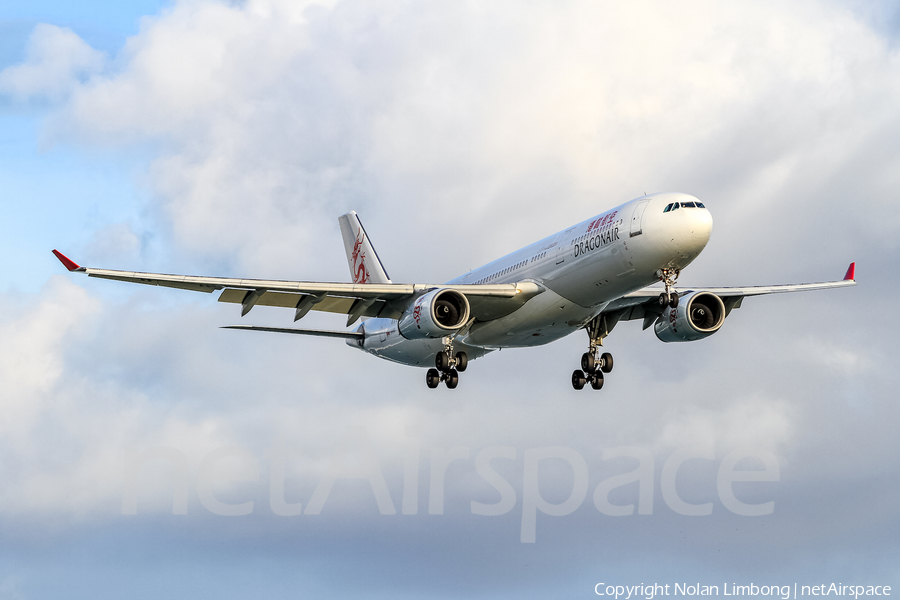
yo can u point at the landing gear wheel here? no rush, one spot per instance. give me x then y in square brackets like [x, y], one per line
[578, 380]
[462, 361]
[588, 362]
[670, 296]
[606, 362]
[442, 361]
[452, 379]
[432, 378]
[593, 363]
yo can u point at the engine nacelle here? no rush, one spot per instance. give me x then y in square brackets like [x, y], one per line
[698, 315]
[434, 315]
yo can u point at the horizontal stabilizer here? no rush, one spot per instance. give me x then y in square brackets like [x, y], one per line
[353, 335]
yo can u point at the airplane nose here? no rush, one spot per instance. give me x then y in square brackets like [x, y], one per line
[676, 233]
[701, 224]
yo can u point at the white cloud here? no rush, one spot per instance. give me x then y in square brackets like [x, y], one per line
[740, 423]
[57, 61]
[112, 243]
[32, 365]
[274, 117]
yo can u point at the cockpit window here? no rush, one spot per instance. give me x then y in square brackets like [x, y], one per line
[677, 205]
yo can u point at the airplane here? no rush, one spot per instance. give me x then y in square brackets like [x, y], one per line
[589, 276]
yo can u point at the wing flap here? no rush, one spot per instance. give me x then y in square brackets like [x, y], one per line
[332, 304]
[485, 308]
[282, 299]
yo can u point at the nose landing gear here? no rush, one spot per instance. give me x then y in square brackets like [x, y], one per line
[593, 366]
[670, 296]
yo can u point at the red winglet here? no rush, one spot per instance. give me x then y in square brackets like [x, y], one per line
[67, 263]
[851, 273]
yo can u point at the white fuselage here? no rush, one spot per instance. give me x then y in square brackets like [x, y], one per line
[581, 270]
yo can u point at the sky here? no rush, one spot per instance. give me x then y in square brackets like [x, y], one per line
[144, 451]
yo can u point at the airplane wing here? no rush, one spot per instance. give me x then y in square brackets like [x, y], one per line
[356, 300]
[644, 304]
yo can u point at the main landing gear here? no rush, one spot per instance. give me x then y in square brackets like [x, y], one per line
[670, 296]
[593, 366]
[592, 370]
[448, 366]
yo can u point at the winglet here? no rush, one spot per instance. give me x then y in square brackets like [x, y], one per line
[851, 272]
[67, 263]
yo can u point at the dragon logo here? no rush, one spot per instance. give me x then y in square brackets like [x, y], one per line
[417, 312]
[360, 270]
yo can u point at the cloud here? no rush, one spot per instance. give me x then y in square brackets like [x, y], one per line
[57, 61]
[113, 242]
[272, 118]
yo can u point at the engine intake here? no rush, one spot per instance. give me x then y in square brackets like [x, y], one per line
[435, 314]
[698, 315]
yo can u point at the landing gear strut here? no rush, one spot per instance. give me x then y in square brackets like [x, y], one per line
[448, 366]
[670, 296]
[593, 366]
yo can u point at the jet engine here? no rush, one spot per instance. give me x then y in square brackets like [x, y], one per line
[698, 315]
[434, 315]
